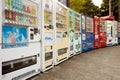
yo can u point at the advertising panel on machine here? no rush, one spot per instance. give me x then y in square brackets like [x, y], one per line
[14, 37]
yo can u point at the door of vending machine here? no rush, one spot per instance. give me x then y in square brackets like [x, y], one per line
[77, 42]
[102, 34]
[20, 43]
[119, 33]
[89, 33]
[109, 28]
[83, 28]
[48, 15]
[71, 32]
[62, 40]
[96, 32]
[115, 33]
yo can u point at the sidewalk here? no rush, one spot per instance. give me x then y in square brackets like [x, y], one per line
[100, 64]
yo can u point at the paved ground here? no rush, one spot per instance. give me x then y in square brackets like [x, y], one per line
[100, 64]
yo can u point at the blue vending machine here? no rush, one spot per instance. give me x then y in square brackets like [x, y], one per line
[89, 33]
[83, 29]
[119, 33]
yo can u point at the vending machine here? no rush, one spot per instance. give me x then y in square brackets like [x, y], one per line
[96, 32]
[83, 29]
[102, 34]
[48, 28]
[115, 33]
[61, 39]
[77, 42]
[71, 32]
[89, 33]
[119, 33]
[19, 39]
[109, 32]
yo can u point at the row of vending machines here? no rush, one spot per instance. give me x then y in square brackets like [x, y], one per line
[36, 36]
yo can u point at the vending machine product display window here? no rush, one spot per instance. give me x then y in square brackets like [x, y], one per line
[89, 33]
[71, 32]
[77, 42]
[20, 39]
[61, 48]
[47, 34]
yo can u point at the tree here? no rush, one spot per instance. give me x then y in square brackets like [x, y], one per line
[105, 8]
[85, 7]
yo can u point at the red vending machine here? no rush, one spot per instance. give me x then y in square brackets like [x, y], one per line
[102, 34]
[96, 32]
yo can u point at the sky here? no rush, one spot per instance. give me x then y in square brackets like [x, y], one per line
[97, 2]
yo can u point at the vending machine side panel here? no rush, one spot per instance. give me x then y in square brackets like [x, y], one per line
[0, 39]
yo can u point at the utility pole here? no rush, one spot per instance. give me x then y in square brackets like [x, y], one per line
[119, 9]
[110, 7]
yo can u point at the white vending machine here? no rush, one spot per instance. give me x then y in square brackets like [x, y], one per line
[61, 37]
[71, 32]
[19, 39]
[77, 42]
[47, 34]
[109, 32]
[115, 33]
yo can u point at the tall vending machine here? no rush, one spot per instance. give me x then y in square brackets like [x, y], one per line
[77, 42]
[20, 39]
[119, 33]
[96, 32]
[115, 33]
[83, 28]
[102, 34]
[109, 32]
[71, 32]
[48, 28]
[89, 33]
[62, 40]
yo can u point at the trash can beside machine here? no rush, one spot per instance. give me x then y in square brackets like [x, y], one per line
[61, 33]
[77, 42]
[71, 32]
[89, 33]
[20, 39]
[96, 32]
[48, 27]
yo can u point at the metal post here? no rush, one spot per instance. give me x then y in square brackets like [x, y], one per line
[119, 9]
[110, 9]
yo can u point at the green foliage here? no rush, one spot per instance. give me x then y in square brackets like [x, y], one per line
[105, 8]
[85, 7]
